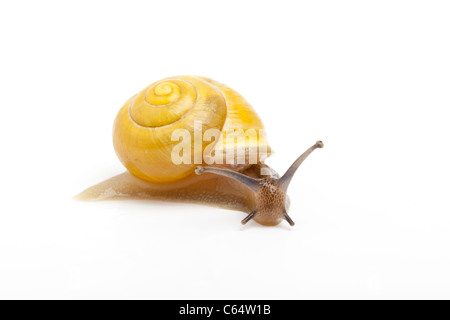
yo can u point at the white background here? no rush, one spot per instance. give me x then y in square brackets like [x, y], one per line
[369, 78]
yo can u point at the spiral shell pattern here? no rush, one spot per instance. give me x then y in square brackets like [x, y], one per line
[143, 127]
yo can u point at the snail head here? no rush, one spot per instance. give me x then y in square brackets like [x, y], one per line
[270, 192]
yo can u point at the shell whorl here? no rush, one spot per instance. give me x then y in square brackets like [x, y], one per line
[143, 127]
[166, 102]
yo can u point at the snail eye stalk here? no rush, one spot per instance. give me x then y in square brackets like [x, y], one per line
[285, 180]
[251, 183]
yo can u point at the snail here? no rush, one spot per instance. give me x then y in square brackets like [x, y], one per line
[147, 133]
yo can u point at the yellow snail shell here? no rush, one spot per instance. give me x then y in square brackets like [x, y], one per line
[144, 126]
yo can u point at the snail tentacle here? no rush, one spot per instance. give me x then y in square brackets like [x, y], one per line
[285, 180]
[288, 219]
[251, 183]
[249, 217]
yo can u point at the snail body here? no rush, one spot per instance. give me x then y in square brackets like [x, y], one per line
[143, 137]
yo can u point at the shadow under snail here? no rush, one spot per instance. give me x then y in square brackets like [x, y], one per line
[144, 141]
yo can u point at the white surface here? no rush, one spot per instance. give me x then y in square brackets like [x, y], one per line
[371, 79]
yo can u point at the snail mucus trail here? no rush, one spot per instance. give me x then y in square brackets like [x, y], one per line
[142, 131]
